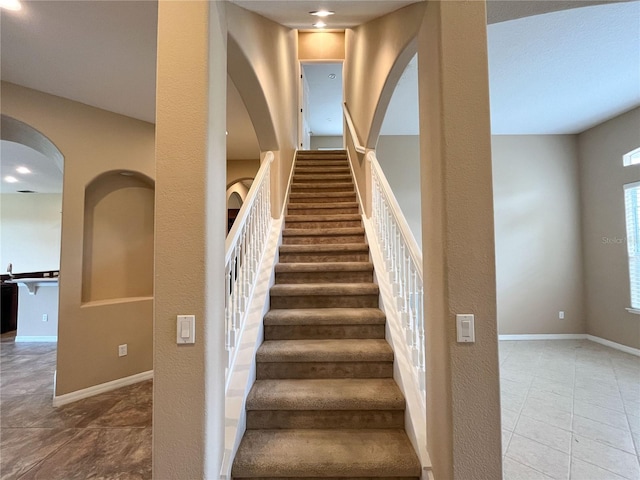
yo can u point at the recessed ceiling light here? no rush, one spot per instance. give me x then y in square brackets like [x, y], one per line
[320, 24]
[10, 179]
[11, 4]
[27, 191]
[321, 13]
[23, 170]
[126, 173]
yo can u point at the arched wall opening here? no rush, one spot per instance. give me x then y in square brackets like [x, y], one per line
[31, 226]
[248, 84]
[237, 193]
[117, 258]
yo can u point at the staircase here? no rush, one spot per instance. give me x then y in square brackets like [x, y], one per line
[324, 404]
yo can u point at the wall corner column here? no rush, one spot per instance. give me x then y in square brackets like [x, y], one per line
[463, 394]
[190, 226]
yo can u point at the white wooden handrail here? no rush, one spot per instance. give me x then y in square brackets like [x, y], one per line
[244, 248]
[352, 130]
[402, 259]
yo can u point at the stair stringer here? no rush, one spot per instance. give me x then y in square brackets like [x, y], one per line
[404, 372]
[243, 370]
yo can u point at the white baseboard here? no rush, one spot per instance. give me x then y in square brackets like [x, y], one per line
[30, 338]
[102, 388]
[544, 336]
[617, 346]
[573, 336]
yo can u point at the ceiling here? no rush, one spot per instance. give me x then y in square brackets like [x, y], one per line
[549, 73]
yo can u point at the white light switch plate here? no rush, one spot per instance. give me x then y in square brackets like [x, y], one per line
[185, 329]
[465, 328]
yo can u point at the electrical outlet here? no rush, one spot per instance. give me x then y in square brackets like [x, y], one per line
[45, 317]
[561, 315]
[122, 350]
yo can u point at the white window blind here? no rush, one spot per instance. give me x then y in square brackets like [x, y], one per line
[631, 158]
[632, 213]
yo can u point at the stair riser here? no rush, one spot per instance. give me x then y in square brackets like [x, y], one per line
[324, 224]
[325, 301]
[322, 169]
[318, 178]
[277, 370]
[277, 419]
[324, 277]
[320, 188]
[300, 209]
[323, 198]
[306, 162]
[308, 332]
[318, 239]
[323, 257]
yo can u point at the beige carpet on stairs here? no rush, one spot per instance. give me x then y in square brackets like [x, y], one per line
[324, 404]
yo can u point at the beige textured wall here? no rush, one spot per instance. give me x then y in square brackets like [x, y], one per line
[376, 54]
[326, 142]
[188, 410]
[30, 231]
[538, 234]
[92, 141]
[399, 157]
[603, 222]
[321, 45]
[463, 403]
[271, 50]
[239, 169]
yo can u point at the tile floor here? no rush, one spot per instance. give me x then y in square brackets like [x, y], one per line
[107, 436]
[570, 410]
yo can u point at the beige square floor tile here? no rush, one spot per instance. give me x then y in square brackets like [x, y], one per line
[607, 416]
[586, 471]
[606, 457]
[540, 457]
[544, 412]
[512, 470]
[544, 433]
[506, 438]
[509, 419]
[610, 400]
[600, 432]
[552, 400]
[541, 384]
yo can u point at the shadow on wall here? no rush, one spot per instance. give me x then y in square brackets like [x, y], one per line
[118, 237]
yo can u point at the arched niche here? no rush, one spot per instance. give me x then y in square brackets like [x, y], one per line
[117, 258]
[237, 193]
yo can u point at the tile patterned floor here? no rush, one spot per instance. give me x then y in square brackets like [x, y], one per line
[107, 436]
[570, 410]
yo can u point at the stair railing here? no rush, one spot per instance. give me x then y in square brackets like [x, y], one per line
[403, 263]
[244, 248]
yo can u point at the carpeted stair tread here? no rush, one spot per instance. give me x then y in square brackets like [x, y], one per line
[322, 177]
[320, 186]
[338, 217]
[326, 394]
[324, 289]
[325, 316]
[322, 232]
[307, 206]
[311, 453]
[325, 267]
[325, 248]
[305, 351]
[322, 169]
[308, 197]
